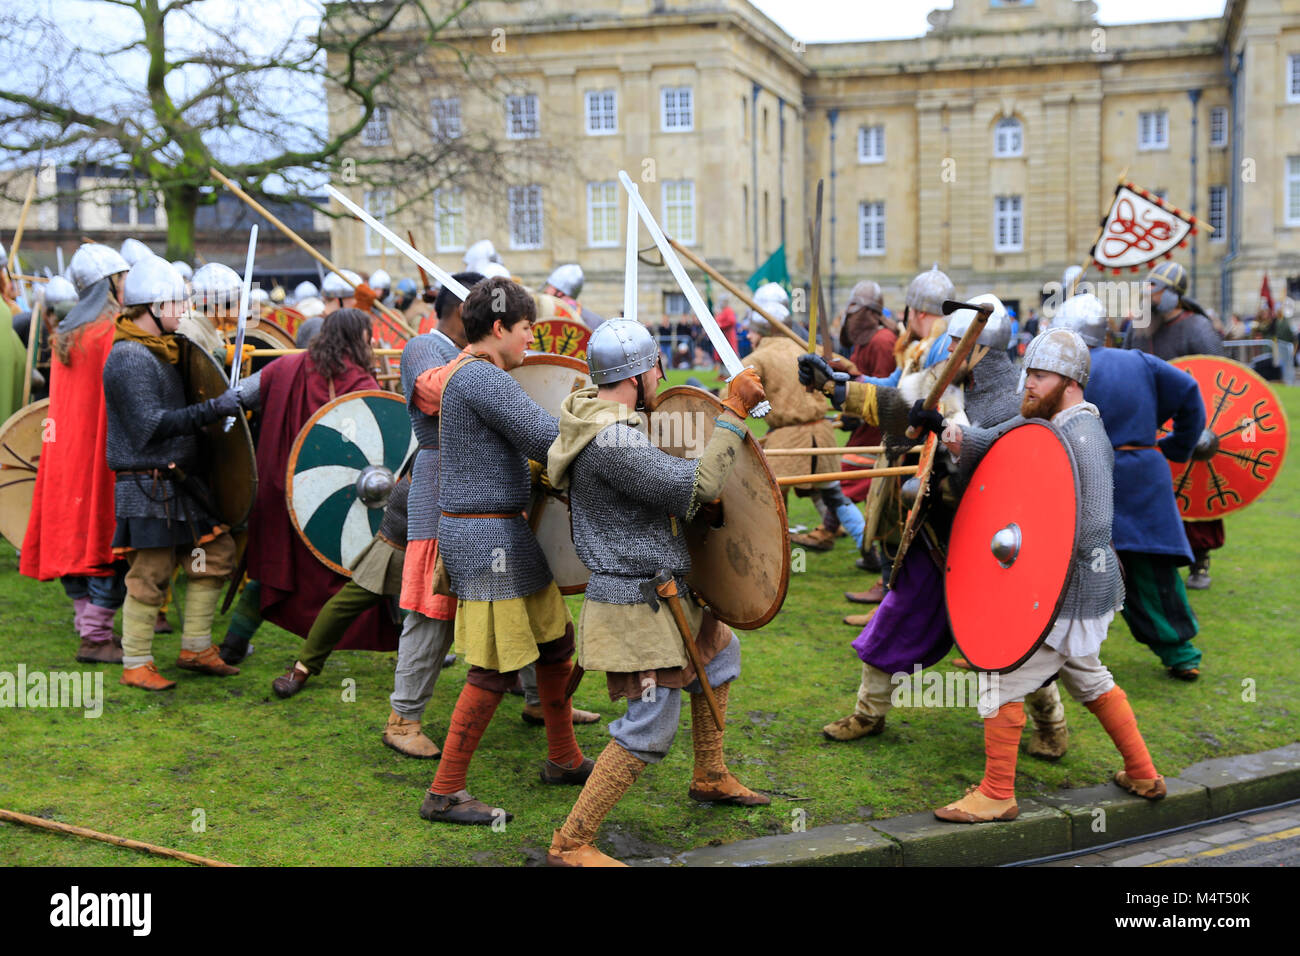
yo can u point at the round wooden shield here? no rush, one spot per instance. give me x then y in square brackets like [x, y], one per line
[561, 337]
[1011, 553]
[742, 568]
[20, 454]
[1249, 444]
[354, 434]
[227, 461]
[549, 380]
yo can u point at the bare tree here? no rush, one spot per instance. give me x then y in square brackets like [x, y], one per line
[165, 90]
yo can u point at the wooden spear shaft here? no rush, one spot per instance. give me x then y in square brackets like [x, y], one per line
[15, 817]
[33, 344]
[832, 450]
[740, 293]
[22, 221]
[399, 325]
[826, 477]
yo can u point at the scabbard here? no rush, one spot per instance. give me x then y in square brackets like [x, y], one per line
[575, 678]
[692, 652]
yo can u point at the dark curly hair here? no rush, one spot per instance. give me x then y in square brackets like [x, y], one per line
[344, 338]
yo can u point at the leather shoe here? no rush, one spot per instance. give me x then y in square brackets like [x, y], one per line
[975, 807]
[1146, 789]
[532, 715]
[290, 682]
[566, 852]
[98, 652]
[869, 562]
[146, 677]
[552, 772]
[858, 620]
[206, 661]
[462, 808]
[873, 596]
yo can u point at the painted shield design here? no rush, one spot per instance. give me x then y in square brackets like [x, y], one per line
[740, 566]
[20, 455]
[1244, 443]
[549, 380]
[1011, 554]
[342, 466]
[561, 337]
[228, 463]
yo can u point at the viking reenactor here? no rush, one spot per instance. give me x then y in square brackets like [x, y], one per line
[427, 631]
[480, 254]
[70, 531]
[1180, 327]
[510, 612]
[164, 514]
[565, 285]
[215, 289]
[376, 574]
[910, 627]
[382, 283]
[1136, 393]
[1056, 373]
[288, 585]
[629, 503]
[798, 420]
[133, 250]
[869, 338]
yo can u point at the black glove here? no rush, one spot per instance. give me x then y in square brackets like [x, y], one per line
[191, 418]
[814, 371]
[923, 419]
[429, 295]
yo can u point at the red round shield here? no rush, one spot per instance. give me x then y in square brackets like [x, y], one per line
[1245, 455]
[561, 337]
[1011, 551]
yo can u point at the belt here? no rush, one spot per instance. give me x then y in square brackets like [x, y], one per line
[157, 474]
[1137, 448]
[490, 514]
[429, 448]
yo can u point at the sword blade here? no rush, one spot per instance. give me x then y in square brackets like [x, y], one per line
[720, 344]
[404, 247]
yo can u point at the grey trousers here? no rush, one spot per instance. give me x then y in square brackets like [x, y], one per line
[420, 652]
[528, 680]
[647, 729]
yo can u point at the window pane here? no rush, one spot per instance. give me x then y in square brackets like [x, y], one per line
[446, 118]
[147, 213]
[119, 207]
[375, 132]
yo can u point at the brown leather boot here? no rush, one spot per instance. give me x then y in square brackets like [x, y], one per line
[1146, 789]
[859, 620]
[461, 807]
[873, 596]
[854, 726]
[818, 539]
[99, 652]
[206, 661]
[566, 852]
[404, 736]
[146, 677]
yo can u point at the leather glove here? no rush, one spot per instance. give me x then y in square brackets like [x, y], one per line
[429, 296]
[366, 297]
[814, 372]
[744, 393]
[191, 418]
[923, 419]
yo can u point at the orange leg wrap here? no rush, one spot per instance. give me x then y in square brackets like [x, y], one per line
[1001, 745]
[557, 711]
[474, 710]
[1113, 710]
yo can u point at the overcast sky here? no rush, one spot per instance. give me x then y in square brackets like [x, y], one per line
[821, 21]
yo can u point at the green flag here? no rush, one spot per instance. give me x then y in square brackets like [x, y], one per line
[773, 270]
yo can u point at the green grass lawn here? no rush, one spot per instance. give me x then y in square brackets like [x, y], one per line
[307, 782]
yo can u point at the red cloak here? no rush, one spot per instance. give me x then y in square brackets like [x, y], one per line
[876, 359]
[295, 584]
[70, 531]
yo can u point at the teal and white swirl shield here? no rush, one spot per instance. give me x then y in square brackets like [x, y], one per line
[346, 436]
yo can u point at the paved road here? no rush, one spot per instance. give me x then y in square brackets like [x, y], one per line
[1254, 839]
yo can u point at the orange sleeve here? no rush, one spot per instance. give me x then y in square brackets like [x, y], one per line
[365, 297]
[427, 394]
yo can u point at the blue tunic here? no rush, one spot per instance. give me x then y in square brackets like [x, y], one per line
[937, 353]
[1136, 393]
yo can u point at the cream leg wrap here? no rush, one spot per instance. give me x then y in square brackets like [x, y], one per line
[874, 692]
[201, 598]
[137, 631]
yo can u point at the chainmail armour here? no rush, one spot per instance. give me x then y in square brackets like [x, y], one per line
[422, 353]
[1191, 335]
[1096, 587]
[138, 390]
[629, 502]
[393, 525]
[992, 390]
[491, 428]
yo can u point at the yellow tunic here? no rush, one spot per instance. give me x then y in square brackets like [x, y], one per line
[798, 416]
[503, 635]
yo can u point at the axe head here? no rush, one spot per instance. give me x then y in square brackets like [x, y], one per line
[649, 591]
[952, 305]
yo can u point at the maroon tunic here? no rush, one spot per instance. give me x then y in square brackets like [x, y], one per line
[295, 584]
[875, 358]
